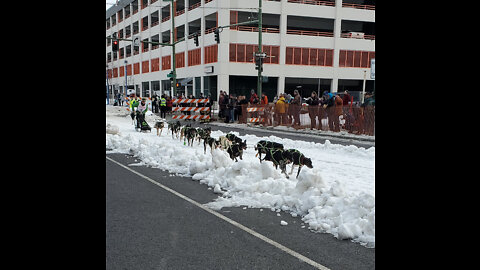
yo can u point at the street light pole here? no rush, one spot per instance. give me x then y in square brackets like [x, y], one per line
[108, 92]
[259, 77]
[126, 78]
[363, 90]
[174, 68]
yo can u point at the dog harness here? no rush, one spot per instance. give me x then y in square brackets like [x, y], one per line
[299, 156]
[271, 154]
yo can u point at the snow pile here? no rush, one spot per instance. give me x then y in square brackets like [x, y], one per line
[112, 129]
[336, 196]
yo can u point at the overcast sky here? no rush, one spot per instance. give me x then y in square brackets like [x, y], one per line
[111, 2]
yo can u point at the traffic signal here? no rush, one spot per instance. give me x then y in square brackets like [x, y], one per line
[217, 35]
[178, 85]
[115, 45]
[259, 63]
[195, 38]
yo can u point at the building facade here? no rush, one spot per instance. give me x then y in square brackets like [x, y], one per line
[311, 46]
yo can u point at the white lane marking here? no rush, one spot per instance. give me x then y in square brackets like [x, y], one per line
[234, 223]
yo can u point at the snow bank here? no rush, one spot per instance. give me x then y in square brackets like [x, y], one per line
[336, 196]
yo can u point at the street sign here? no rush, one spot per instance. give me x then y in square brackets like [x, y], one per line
[262, 55]
[170, 75]
[208, 69]
[136, 41]
[372, 69]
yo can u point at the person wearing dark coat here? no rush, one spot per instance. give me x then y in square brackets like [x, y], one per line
[313, 103]
[223, 106]
[296, 106]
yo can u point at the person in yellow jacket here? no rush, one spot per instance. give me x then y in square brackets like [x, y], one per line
[280, 109]
[163, 106]
[133, 103]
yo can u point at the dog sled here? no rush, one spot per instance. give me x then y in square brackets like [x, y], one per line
[141, 124]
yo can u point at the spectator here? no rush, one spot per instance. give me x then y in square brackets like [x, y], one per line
[338, 111]
[369, 114]
[232, 103]
[242, 104]
[289, 115]
[169, 104]
[220, 104]
[275, 99]
[121, 97]
[155, 104]
[322, 113]
[264, 100]
[253, 97]
[254, 100]
[329, 105]
[163, 106]
[280, 109]
[296, 105]
[348, 111]
[313, 102]
[223, 106]
[347, 98]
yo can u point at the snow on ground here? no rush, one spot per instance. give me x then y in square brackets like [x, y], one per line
[336, 196]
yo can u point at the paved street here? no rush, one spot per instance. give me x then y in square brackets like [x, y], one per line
[148, 227]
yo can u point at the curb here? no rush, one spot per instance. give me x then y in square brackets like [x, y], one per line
[315, 133]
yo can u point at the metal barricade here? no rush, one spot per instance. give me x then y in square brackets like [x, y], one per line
[352, 118]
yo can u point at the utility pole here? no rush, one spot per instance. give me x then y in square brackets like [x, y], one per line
[259, 77]
[126, 83]
[108, 92]
[174, 68]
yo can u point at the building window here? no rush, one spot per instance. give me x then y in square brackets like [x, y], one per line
[136, 68]
[154, 19]
[128, 50]
[244, 53]
[180, 60]
[356, 59]
[144, 23]
[211, 54]
[145, 45]
[145, 66]
[135, 27]
[120, 15]
[127, 11]
[155, 39]
[134, 6]
[166, 62]
[144, 3]
[309, 56]
[155, 63]
[194, 57]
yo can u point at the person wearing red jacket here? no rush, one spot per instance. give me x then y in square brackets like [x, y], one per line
[346, 98]
[253, 97]
[169, 105]
[264, 100]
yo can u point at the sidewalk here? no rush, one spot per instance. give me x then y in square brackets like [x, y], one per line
[338, 135]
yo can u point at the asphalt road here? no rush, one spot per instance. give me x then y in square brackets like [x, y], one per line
[148, 227]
